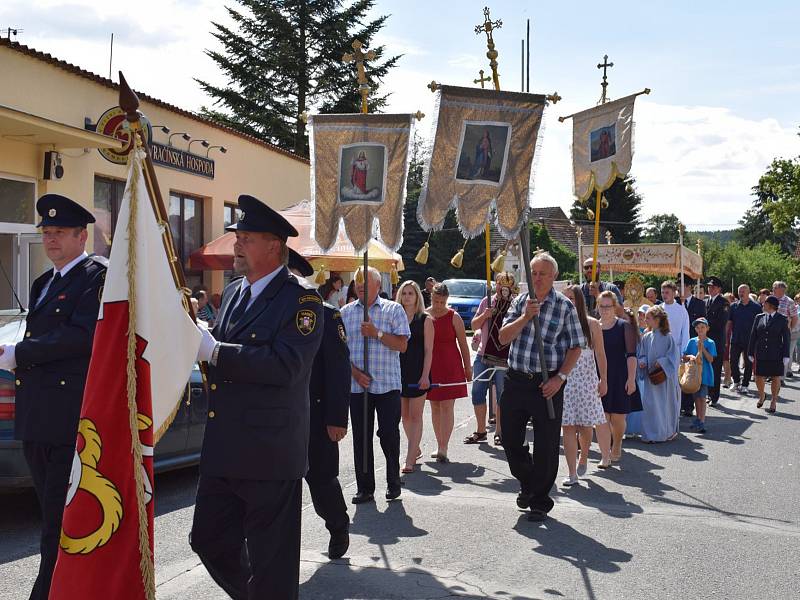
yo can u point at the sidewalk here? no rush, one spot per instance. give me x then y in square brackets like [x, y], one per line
[704, 516]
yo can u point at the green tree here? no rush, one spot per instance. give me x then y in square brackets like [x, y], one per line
[779, 188]
[284, 57]
[758, 267]
[622, 217]
[662, 229]
[757, 226]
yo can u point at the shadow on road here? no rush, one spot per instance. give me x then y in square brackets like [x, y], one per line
[384, 528]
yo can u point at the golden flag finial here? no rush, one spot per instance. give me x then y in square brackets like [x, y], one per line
[358, 57]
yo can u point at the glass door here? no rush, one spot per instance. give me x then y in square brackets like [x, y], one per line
[32, 262]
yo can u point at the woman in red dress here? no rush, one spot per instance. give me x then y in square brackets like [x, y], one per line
[451, 364]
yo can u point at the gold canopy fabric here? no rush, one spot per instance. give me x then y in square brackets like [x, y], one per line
[483, 151]
[332, 137]
[602, 145]
[658, 259]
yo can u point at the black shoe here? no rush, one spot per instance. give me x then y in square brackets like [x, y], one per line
[362, 497]
[789, 375]
[339, 544]
[537, 515]
[393, 492]
[523, 500]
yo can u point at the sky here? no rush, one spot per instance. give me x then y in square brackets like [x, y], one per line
[725, 76]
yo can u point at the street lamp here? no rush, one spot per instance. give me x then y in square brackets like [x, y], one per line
[163, 128]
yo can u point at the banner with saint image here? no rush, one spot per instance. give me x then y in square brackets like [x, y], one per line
[602, 145]
[359, 166]
[484, 143]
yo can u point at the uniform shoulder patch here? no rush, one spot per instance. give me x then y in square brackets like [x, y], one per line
[309, 298]
[306, 321]
[342, 334]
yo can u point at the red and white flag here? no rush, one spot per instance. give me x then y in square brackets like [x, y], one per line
[135, 384]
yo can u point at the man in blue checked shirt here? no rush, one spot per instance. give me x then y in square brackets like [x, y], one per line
[388, 331]
[524, 392]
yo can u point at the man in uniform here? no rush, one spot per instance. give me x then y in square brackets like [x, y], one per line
[717, 311]
[246, 526]
[51, 364]
[330, 405]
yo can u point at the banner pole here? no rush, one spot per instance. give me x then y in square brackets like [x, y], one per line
[524, 235]
[596, 235]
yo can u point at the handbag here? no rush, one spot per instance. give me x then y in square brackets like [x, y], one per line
[657, 376]
[690, 376]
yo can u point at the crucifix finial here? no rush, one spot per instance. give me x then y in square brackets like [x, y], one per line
[488, 26]
[604, 65]
[358, 57]
[481, 79]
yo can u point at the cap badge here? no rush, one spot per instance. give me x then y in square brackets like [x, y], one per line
[52, 212]
[241, 216]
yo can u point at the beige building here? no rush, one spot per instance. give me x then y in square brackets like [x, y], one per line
[61, 131]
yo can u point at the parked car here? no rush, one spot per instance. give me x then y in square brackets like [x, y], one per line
[179, 446]
[465, 296]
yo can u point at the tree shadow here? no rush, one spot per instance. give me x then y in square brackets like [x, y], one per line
[384, 528]
[683, 446]
[432, 482]
[340, 581]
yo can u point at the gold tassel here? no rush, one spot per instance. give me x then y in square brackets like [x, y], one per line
[590, 214]
[394, 275]
[321, 276]
[360, 275]
[603, 203]
[422, 255]
[498, 265]
[458, 258]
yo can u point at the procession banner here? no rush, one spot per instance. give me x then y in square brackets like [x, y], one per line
[484, 145]
[359, 167]
[145, 345]
[602, 145]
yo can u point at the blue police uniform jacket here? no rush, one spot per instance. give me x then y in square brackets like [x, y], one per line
[770, 342]
[53, 357]
[330, 377]
[258, 417]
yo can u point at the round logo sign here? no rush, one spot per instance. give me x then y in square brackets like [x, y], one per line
[113, 123]
[627, 254]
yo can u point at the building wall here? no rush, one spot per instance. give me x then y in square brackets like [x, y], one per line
[48, 91]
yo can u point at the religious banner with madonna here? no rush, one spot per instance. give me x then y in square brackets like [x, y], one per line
[484, 142]
[359, 166]
[602, 145]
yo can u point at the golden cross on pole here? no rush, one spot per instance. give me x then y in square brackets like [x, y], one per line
[481, 79]
[358, 57]
[487, 27]
[604, 65]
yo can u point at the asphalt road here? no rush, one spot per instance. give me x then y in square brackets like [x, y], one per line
[706, 516]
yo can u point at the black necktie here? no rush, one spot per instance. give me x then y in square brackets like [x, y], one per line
[56, 279]
[239, 309]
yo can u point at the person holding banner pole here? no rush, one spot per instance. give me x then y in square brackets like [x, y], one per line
[532, 383]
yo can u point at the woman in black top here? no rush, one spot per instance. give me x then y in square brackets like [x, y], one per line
[415, 368]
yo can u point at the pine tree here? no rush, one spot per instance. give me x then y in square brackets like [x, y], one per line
[622, 217]
[283, 58]
[757, 227]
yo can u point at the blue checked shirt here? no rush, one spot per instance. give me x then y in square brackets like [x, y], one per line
[384, 364]
[561, 330]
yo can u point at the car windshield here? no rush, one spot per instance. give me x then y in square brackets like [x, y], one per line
[466, 289]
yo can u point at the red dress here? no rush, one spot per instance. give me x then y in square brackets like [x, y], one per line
[446, 366]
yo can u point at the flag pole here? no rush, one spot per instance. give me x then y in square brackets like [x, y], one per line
[358, 57]
[488, 26]
[129, 103]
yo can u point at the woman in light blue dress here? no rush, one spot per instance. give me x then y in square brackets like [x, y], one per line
[660, 402]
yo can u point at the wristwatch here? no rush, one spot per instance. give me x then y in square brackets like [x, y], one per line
[562, 376]
[380, 334]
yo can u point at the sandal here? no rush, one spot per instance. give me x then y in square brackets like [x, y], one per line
[498, 441]
[407, 469]
[475, 438]
[492, 421]
[761, 401]
[442, 458]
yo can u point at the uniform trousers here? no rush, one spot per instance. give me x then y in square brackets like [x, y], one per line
[247, 533]
[323, 477]
[739, 350]
[713, 391]
[50, 466]
[522, 400]
[387, 406]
